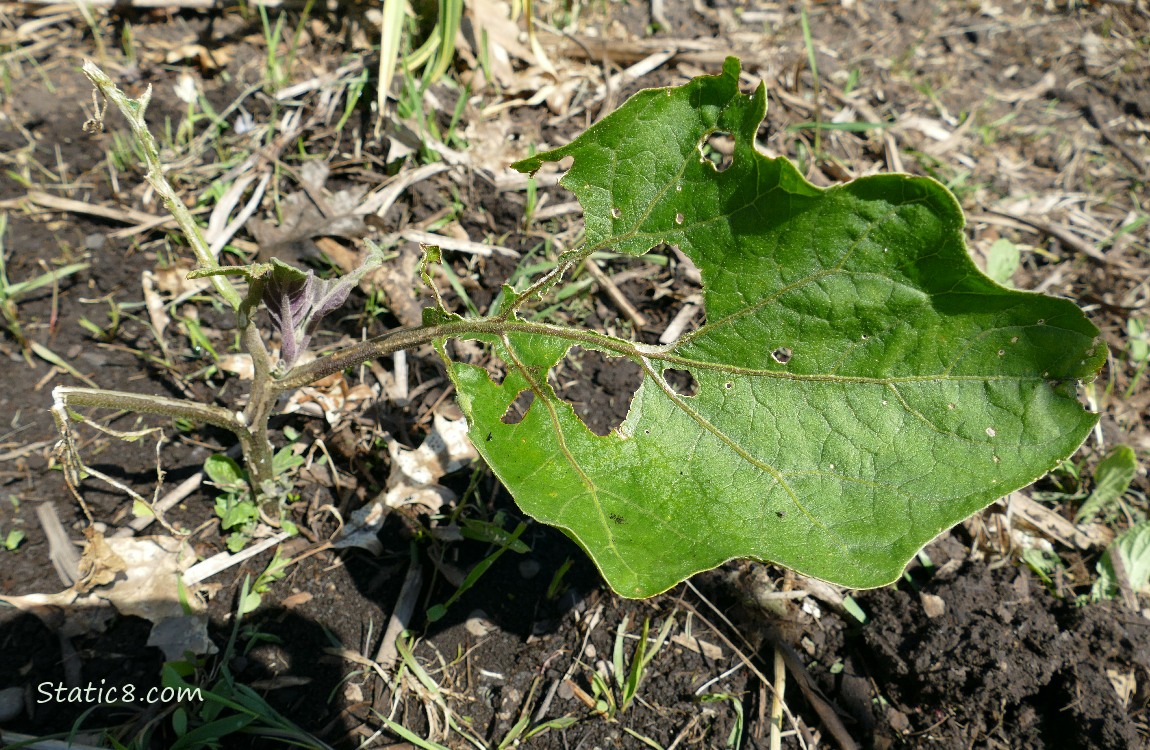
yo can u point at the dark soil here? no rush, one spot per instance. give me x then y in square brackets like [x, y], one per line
[1008, 664]
[1037, 665]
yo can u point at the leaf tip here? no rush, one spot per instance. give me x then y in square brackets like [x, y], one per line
[528, 166]
[732, 66]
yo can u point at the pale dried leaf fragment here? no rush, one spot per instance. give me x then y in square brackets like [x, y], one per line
[99, 564]
[331, 398]
[1125, 685]
[149, 586]
[445, 449]
[362, 529]
[137, 577]
[239, 365]
[698, 645]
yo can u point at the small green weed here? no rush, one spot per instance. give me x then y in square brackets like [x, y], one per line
[276, 569]
[237, 508]
[628, 676]
[12, 539]
[1112, 479]
[493, 533]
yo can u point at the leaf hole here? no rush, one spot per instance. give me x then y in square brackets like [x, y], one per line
[518, 408]
[682, 382]
[782, 355]
[617, 212]
[482, 354]
[719, 149]
[728, 385]
[598, 388]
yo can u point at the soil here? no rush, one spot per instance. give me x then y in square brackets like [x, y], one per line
[1036, 116]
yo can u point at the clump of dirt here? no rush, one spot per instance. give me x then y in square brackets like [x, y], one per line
[1005, 662]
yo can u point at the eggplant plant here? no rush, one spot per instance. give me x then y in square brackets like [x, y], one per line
[861, 385]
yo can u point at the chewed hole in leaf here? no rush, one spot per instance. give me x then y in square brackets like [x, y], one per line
[599, 388]
[719, 149]
[482, 354]
[682, 382]
[782, 355]
[518, 408]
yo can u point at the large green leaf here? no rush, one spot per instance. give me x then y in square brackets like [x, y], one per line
[916, 390]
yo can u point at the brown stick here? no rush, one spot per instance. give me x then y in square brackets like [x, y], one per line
[616, 294]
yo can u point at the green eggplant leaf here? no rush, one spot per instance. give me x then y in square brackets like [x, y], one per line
[861, 385]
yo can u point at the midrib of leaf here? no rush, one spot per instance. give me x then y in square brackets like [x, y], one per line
[638, 352]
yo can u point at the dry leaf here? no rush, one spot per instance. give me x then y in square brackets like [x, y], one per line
[413, 480]
[698, 645]
[135, 577]
[178, 635]
[445, 449]
[292, 241]
[331, 398]
[98, 564]
[362, 528]
[239, 365]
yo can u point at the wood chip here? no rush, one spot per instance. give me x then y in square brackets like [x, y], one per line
[296, 600]
[1054, 525]
[698, 645]
[61, 551]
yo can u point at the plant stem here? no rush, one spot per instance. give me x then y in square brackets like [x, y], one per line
[144, 404]
[133, 111]
[251, 426]
[257, 449]
[408, 338]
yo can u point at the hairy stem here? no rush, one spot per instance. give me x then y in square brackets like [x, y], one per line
[258, 449]
[144, 404]
[408, 338]
[133, 111]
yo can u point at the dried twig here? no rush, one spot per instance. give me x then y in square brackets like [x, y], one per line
[388, 654]
[65, 559]
[1064, 236]
[617, 297]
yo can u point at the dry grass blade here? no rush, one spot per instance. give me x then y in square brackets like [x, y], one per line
[617, 297]
[125, 215]
[451, 243]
